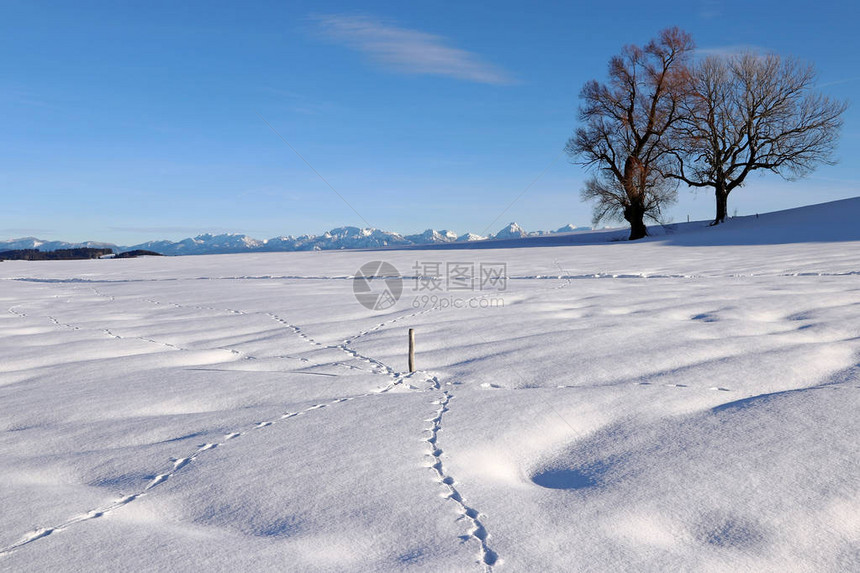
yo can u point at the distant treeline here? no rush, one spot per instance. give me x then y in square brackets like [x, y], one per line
[138, 253]
[69, 254]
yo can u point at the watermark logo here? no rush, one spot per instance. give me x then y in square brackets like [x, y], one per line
[377, 285]
[459, 276]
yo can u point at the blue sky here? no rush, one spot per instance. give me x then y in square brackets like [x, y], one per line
[125, 122]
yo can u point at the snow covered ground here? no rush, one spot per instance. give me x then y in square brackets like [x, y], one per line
[659, 406]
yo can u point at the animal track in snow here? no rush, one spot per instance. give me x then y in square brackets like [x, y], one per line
[159, 479]
[108, 332]
[103, 295]
[176, 465]
[17, 313]
[379, 366]
[174, 305]
[487, 557]
[63, 324]
[386, 323]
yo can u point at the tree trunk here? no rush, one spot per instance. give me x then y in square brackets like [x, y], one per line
[635, 215]
[722, 197]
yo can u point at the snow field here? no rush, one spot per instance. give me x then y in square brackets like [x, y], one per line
[631, 407]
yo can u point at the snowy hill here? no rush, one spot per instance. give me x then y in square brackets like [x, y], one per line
[825, 222]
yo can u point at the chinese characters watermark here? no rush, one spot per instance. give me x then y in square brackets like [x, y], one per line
[378, 285]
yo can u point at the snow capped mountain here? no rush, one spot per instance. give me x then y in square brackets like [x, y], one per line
[571, 228]
[335, 239]
[22, 243]
[432, 236]
[470, 237]
[286, 243]
[34, 243]
[512, 231]
[227, 242]
[206, 243]
[354, 238]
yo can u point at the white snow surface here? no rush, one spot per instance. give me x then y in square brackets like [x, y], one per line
[647, 406]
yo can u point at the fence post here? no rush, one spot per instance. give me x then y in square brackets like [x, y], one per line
[411, 350]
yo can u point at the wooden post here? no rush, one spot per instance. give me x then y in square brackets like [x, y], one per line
[411, 350]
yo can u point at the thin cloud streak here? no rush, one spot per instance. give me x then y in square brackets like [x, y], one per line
[732, 50]
[30, 231]
[839, 82]
[167, 229]
[710, 9]
[408, 51]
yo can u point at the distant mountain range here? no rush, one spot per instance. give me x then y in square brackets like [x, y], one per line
[339, 238]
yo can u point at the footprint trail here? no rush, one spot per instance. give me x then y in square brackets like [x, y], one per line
[477, 531]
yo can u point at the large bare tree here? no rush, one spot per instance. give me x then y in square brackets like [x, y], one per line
[624, 122]
[746, 112]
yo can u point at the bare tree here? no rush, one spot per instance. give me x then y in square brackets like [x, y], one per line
[748, 112]
[612, 201]
[624, 121]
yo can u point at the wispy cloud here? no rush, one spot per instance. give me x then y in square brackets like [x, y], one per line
[710, 9]
[299, 103]
[408, 51]
[24, 231]
[166, 229]
[839, 82]
[731, 50]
